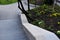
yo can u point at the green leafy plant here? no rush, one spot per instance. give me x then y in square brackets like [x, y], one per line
[47, 18]
[58, 32]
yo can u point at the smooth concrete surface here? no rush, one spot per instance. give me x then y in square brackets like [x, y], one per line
[10, 23]
[12, 30]
[58, 4]
[23, 18]
[9, 11]
[36, 33]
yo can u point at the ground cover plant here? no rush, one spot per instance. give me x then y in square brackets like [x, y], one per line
[46, 17]
[7, 1]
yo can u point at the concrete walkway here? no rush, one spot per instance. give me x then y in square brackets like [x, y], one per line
[10, 24]
[12, 30]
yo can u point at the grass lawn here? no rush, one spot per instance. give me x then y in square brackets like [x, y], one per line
[7, 1]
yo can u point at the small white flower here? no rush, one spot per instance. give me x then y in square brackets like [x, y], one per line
[39, 22]
[58, 32]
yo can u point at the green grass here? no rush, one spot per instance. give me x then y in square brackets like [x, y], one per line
[7, 1]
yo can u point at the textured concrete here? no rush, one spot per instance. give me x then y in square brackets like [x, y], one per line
[10, 24]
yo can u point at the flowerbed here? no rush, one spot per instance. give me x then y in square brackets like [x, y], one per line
[47, 18]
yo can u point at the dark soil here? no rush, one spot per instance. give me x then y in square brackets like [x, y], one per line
[50, 23]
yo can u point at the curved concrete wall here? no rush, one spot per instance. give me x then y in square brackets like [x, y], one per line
[36, 33]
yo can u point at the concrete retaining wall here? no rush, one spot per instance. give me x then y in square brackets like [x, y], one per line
[36, 33]
[58, 2]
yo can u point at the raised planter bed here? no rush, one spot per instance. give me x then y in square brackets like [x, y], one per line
[36, 33]
[46, 18]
